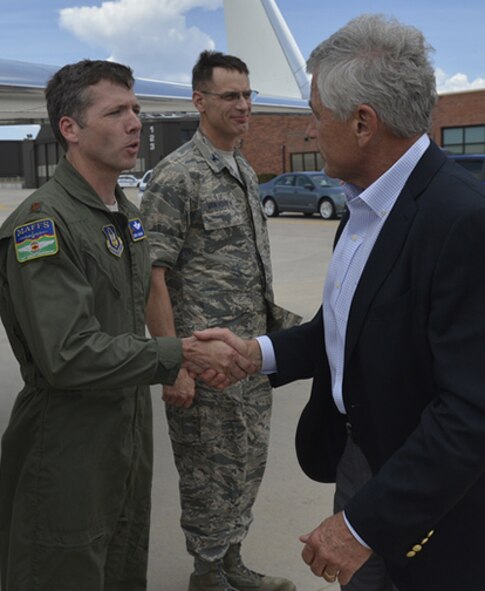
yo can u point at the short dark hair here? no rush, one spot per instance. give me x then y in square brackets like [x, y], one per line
[208, 60]
[66, 92]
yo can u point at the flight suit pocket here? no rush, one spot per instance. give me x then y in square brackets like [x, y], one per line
[101, 276]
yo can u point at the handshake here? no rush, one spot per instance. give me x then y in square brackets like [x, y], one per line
[220, 358]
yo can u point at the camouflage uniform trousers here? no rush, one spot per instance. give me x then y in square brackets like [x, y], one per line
[220, 447]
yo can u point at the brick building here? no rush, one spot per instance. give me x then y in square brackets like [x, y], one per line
[275, 143]
[278, 143]
[459, 122]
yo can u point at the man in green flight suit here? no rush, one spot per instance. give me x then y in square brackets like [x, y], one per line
[76, 461]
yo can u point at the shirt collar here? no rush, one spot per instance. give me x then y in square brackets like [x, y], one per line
[381, 196]
[78, 187]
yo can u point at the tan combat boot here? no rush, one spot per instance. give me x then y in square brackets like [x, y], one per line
[209, 576]
[243, 579]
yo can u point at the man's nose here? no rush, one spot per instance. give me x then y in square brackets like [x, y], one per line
[134, 120]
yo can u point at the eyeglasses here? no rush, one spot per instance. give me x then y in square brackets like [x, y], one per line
[234, 96]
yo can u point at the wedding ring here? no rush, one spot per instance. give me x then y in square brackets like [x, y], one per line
[328, 577]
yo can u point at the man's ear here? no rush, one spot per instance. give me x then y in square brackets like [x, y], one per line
[198, 100]
[366, 123]
[69, 129]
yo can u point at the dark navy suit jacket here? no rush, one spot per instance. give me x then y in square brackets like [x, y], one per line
[414, 384]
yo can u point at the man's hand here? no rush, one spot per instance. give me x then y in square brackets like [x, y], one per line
[332, 549]
[182, 392]
[248, 348]
[201, 355]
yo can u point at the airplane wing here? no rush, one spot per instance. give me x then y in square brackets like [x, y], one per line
[22, 95]
[277, 70]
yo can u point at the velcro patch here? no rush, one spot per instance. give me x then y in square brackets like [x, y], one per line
[137, 231]
[113, 242]
[35, 240]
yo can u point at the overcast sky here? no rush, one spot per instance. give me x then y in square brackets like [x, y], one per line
[161, 38]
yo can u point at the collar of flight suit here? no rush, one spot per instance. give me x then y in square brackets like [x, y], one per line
[78, 188]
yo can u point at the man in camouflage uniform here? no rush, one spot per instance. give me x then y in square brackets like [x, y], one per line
[211, 267]
[76, 461]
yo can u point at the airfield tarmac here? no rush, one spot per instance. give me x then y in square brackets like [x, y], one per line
[288, 504]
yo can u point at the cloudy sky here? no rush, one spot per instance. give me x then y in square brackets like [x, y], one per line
[161, 38]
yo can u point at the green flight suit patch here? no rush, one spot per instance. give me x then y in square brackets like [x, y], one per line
[35, 240]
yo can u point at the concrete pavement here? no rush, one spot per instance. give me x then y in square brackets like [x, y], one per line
[289, 504]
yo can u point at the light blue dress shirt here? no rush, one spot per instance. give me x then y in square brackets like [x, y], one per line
[368, 209]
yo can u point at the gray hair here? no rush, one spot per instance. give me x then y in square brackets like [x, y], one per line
[382, 63]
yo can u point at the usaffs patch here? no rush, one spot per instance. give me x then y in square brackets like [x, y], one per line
[136, 229]
[113, 242]
[35, 240]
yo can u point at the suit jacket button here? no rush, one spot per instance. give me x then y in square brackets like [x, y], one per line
[417, 548]
[411, 554]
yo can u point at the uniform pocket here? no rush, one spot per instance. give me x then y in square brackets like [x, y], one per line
[219, 215]
[101, 275]
[201, 423]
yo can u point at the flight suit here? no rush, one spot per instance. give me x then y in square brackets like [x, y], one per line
[76, 462]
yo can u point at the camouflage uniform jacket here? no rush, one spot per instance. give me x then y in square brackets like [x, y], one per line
[207, 226]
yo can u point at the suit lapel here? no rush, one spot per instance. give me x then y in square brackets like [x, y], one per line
[389, 243]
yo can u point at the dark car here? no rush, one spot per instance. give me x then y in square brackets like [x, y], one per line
[474, 163]
[305, 192]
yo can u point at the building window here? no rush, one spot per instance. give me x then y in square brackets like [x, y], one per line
[300, 161]
[464, 140]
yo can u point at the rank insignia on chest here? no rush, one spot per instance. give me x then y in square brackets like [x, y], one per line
[35, 240]
[137, 231]
[113, 242]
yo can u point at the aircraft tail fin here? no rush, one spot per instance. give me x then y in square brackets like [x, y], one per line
[276, 65]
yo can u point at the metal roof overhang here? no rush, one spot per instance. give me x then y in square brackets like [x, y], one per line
[22, 96]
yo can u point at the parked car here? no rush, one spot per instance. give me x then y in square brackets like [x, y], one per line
[474, 163]
[128, 180]
[305, 192]
[145, 179]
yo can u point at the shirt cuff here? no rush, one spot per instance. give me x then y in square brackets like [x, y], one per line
[355, 534]
[268, 358]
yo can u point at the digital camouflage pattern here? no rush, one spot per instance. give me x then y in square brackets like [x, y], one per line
[207, 226]
[220, 447]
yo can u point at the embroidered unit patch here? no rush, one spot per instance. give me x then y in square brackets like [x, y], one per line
[136, 229]
[35, 240]
[113, 242]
